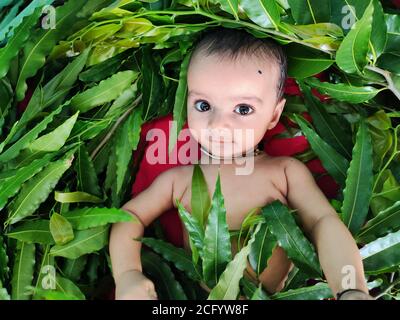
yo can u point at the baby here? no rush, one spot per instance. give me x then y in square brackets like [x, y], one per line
[235, 85]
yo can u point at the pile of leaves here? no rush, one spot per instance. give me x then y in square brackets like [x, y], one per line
[79, 78]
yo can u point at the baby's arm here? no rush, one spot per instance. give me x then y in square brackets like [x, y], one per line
[334, 243]
[124, 251]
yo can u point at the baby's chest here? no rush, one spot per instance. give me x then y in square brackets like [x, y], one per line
[241, 195]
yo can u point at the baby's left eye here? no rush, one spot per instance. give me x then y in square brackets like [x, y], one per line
[244, 109]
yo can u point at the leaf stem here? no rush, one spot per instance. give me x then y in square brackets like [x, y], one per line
[387, 75]
[115, 126]
[390, 287]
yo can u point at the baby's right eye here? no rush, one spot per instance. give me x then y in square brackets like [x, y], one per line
[202, 105]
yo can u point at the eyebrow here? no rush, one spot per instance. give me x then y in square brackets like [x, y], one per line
[254, 98]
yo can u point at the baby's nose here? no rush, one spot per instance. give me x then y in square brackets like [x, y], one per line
[220, 134]
[218, 121]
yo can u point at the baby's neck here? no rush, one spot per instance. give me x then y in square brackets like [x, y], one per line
[235, 163]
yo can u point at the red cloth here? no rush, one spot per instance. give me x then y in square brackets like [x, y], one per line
[273, 146]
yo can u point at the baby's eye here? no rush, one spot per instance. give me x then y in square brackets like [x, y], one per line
[202, 105]
[244, 109]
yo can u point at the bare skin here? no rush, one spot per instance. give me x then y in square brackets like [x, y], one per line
[272, 178]
[241, 196]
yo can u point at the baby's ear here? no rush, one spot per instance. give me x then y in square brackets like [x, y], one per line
[277, 113]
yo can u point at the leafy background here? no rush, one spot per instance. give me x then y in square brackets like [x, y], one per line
[73, 99]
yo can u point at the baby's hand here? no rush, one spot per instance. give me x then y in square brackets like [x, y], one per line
[133, 285]
[355, 295]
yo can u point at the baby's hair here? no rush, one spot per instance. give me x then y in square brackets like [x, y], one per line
[233, 43]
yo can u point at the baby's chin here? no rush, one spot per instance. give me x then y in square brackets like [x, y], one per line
[225, 150]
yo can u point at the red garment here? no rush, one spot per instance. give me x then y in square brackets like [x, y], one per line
[273, 146]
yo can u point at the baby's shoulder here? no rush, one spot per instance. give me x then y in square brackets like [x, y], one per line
[275, 169]
[275, 163]
[287, 168]
[181, 175]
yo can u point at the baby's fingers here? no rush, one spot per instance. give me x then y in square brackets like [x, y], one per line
[151, 291]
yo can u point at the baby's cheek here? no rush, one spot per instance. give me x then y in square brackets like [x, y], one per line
[196, 126]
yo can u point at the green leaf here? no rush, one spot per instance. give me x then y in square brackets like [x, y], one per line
[310, 11]
[387, 221]
[77, 196]
[86, 174]
[57, 88]
[217, 245]
[192, 226]
[230, 6]
[302, 66]
[378, 32]
[46, 271]
[23, 270]
[67, 287]
[152, 86]
[111, 165]
[37, 189]
[60, 229]
[390, 62]
[227, 287]
[23, 142]
[35, 231]
[359, 182]
[333, 162]
[382, 140]
[382, 255]
[390, 188]
[118, 107]
[4, 295]
[327, 126]
[85, 218]
[65, 290]
[12, 185]
[351, 56]
[106, 91]
[265, 13]
[42, 294]
[344, 92]
[179, 257]
[296, 279]
[73, 268]
[259, 294]
[7, 30]
[4, 269]
[261, 249]
[180, 112]
[393, 33]
[43, 41]
[200, 200]
[14, 44]
[103, 70]
[166, 285]
[316, 292]
[126, 142]
[291, 238]
[85, 241]
[54, 140]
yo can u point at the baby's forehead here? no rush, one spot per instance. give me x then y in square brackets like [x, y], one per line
[200, 56]
[251, 64]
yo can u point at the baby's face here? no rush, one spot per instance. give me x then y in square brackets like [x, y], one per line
[231, 104]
